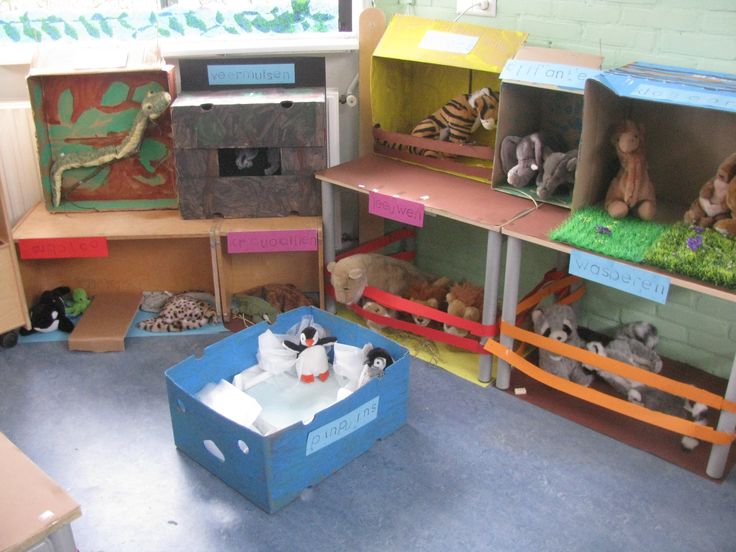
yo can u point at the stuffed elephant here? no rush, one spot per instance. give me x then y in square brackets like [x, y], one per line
[559, 170]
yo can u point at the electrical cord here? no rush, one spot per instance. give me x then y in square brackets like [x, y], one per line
[483, 4]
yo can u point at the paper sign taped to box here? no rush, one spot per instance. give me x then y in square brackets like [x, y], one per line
[621, 276]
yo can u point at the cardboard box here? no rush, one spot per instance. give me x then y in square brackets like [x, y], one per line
[542, 90]
[689, 119]
[273, 470]
[84, 100]
[212, 127]
[421, 64]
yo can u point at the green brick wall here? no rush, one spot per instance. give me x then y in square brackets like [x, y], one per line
[695, 329]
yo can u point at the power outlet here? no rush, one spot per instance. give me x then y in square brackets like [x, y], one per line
[485, 8]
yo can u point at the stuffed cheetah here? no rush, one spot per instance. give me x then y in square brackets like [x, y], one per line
[180, 312]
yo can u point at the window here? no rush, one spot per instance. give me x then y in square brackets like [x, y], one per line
[175, 24]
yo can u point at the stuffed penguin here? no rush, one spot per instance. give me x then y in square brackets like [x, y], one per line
[376, 362]
[311, 354]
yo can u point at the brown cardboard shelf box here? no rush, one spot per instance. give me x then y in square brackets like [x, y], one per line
[212, 127]
[421, 64]
[542, 91]
[84, 100]
[689, 119]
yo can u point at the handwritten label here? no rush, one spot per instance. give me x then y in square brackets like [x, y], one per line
[62, 248]
[342, 427]
[271, 241]
[684, 96]
[630, 279]
[554, 74]
[394, 208]
[448, 42]
[262, 73]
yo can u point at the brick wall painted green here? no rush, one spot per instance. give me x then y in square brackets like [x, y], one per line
[694, 328]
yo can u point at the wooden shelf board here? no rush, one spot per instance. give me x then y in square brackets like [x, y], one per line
[450, 196]
[272, 223]
[38, 223]
[536, 225]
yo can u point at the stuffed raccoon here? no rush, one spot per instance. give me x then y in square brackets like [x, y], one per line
[634, 344]
[559, 322]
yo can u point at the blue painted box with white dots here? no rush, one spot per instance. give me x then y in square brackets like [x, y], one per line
[273, 470]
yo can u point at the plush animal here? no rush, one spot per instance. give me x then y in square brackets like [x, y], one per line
[466, 301]
[350, 275]
[377, 360]
[377, 308]
[252, 308]
[430, 294]
[456, 120]
[180, 312]
[631, 190]
[522, 157]
[634, 344]
[727, 226]
[311, 357]
[79, 302]
[49, 313]
[559, 170]
[711, 206]
[282, 297]
[559, 322]
[244, 159]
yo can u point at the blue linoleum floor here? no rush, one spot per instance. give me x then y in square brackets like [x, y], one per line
[473, 469]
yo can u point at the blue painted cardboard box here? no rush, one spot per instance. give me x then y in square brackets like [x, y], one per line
[689, 121]
[273, 470]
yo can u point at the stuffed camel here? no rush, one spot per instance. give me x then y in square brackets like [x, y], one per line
[631, 190]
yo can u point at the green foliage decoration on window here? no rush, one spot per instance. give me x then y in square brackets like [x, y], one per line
[286, 17]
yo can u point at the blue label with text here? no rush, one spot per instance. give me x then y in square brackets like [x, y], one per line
[268, 73]
[620, 276]
[342, 427]
[554, 74]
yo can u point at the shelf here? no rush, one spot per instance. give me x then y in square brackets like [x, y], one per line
[535, 226]
[443, 194]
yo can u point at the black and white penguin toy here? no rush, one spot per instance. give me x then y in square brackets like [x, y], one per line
[311, 360]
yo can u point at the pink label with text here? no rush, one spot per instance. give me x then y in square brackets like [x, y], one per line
[394, 208]
[272, 241]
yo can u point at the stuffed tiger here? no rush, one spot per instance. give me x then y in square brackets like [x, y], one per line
[456, 120]
[180, 312]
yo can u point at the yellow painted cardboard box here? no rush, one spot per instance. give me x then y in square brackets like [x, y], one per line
[417, 67]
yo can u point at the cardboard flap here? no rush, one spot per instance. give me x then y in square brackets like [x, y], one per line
[105, 323]
[674, 85]
[448, 43]
[551, 68]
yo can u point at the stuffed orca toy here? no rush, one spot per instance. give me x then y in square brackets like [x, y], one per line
[49, 314]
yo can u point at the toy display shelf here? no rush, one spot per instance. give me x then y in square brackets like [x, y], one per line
[441, 194]
[154, 250]
[534, 228]
[240, 271]
[13, 310]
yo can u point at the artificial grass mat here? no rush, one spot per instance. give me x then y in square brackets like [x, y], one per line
[595, 230]
[695, 252]
[702, 254]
